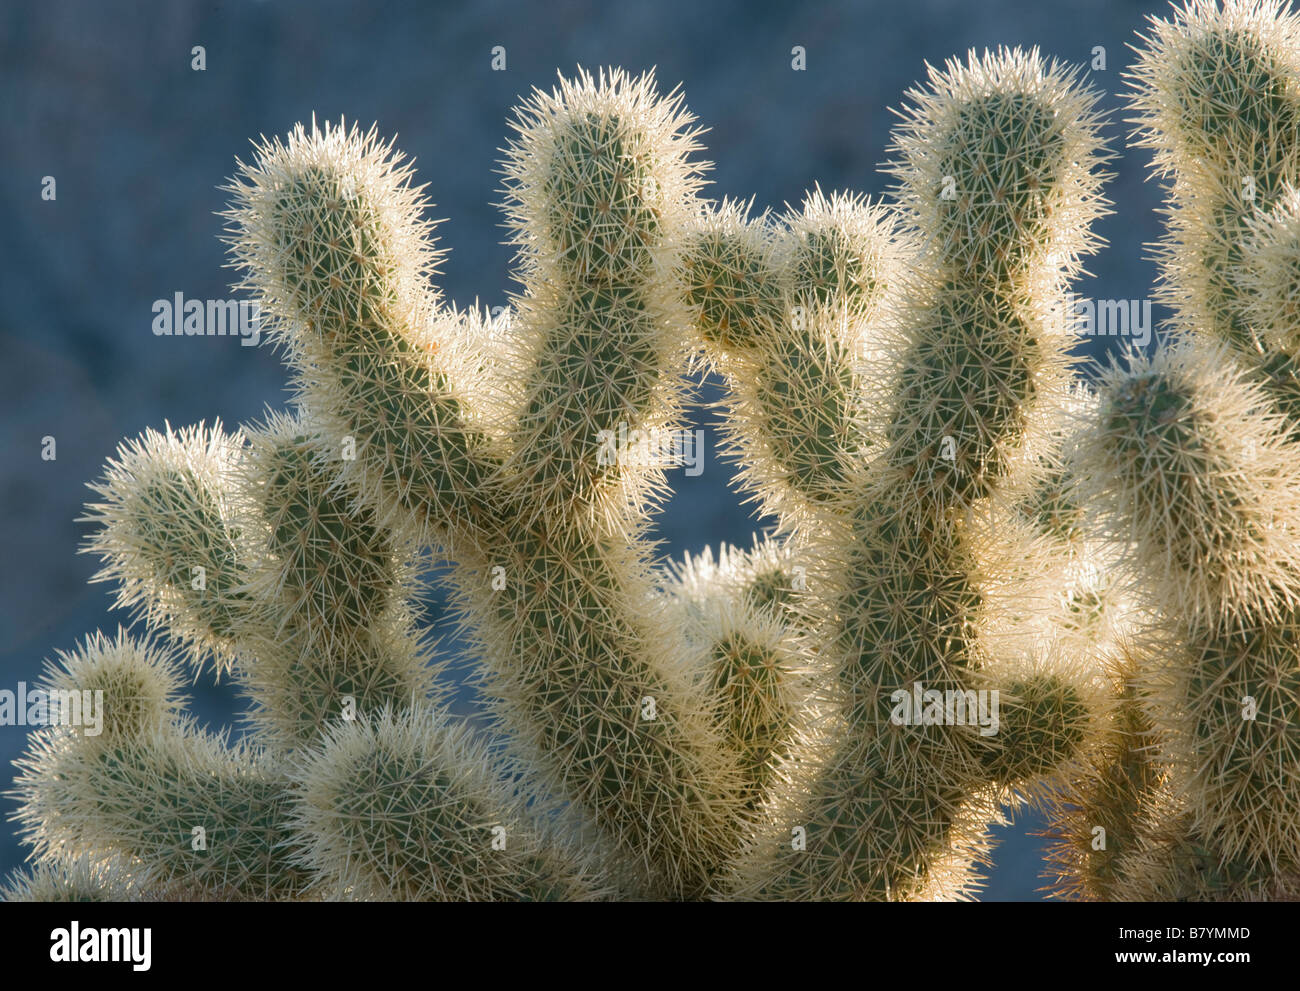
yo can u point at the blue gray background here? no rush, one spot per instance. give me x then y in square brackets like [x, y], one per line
[102, 97]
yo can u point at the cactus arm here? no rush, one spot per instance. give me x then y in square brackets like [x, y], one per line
[149, 787]
[399, 807]
[332, 633]
[582, 667]
[329, 234]
[1203, 493]
[997, 169]
[165, 537]
[1217, 101]
[754, 666]
[784, 310]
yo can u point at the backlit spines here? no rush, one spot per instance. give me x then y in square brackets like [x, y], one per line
[165, 539]
[597, 172]
[803, 384]
[580, 664]
[135, 688]
[300, 687]
[1271, 275]
[325, 563]
[760, 674]
[200, 813]
[796, 343]
[331, 237]
[999, 171]
[1217, 99]
[733, 279]
[1187, 474]
[408, 807]
[797, 424]
[996, 161]
[1235, 741]
[841, 250]
[152, 788]
[83, 879]
[999, 168]
[599, 195]
[327, 633]
[1191, 470]
[938, 632]
[999, 175]
[588, 670]
[1097, 820]
[1212, 80]
[1188, 462]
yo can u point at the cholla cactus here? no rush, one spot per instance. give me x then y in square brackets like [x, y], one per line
[1190, 463]
[889, 406]
[1217, 99]
[936, 632]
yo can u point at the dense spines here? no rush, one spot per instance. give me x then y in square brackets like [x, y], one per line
[795, 343]
[166, 540]
[331, 238]
[1271, 277]
[804, 379]
[599, 190]
[996, 162]
[324, 563]
[972, 361]
[732, 278]
[840, 252]
[998, 179]
[195, 811]
[800, 391]
[81, 880]
[1187, 472]
[998, 169]
[1192, 472]
[332, 631]
[141, 688]
[146, 801]
[905, 603]
[754, 666]
[599, 371]
[406, 807]
[589, 672]
[580, 665]
[596, 174]
[298, 689]
[899, 381]
[1237, 743]
[1045, 720]
[1217, 100]
[1097, 820]
[1217, 79]
[1189, 464]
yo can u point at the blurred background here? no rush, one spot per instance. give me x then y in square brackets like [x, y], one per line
[103, 97]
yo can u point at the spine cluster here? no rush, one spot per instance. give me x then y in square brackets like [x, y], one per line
[1189, 463]
[989, 582]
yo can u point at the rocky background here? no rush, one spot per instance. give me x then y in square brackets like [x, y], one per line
[103, 98]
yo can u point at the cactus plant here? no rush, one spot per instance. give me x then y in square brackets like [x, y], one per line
[1188, 465]
[989, 584]
[894, 462]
